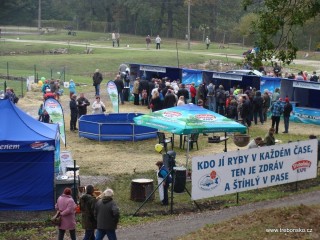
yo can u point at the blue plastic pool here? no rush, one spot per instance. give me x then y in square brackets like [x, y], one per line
[114, 127]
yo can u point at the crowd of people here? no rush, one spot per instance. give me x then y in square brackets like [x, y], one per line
[277, 71]
[247, 105]
[99, 215]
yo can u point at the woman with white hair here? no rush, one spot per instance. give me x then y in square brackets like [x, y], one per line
[107, 215]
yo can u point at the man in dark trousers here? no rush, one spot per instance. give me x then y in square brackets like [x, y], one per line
[163, 172]
[287, 109]
[257, 107]
[74, 113]
[83, 103]
[107, 215]
[120, 86]
[276, 110]
[87, 205]
[245, 114]
[97, 79]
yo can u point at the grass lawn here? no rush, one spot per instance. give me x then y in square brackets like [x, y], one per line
[124, 161]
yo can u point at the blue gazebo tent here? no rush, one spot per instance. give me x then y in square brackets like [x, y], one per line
[27, 154]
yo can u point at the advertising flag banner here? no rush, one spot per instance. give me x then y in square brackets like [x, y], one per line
[243, 170]
[54, 109]
[113, 93]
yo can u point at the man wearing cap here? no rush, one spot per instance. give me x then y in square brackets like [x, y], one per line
[276, 110]
[74, 113]
[287, 109]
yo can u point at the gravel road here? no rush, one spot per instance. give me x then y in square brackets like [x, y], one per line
[187, 223]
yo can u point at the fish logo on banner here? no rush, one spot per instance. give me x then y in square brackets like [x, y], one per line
[54, 109]
[209, 181]
[113, 94]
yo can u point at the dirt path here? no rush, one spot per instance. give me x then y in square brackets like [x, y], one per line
[181, 225]
[305, 62]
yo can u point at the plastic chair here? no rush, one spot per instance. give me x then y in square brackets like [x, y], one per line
[193, 139]
[165, 140]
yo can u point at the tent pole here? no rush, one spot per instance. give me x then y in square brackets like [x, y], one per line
[74, 182]
[188, 149]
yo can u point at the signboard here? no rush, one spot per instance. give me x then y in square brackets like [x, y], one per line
[243, 170]
[65, 160]
[54, 109]
[191, 76]
[306, 115]
[113, 94]
[153, 69]
[228, 76]
[308, 85]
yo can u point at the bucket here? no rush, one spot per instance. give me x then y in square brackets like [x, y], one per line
[141, 188]
[180, 179]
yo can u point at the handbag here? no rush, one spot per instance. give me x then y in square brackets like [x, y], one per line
[103, 108]
[56, 219]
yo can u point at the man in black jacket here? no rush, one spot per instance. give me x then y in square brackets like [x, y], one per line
[170, 99]
[87, 205]
[246, 107]
[120, 86]
[107, 215]
[97, 79]
[183, 92]
[83, 103]
[257, 107]
[287, 109]
[74, 113]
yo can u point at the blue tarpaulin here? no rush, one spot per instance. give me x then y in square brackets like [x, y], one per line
[191, 75]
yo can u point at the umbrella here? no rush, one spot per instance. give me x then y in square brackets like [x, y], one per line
[187, 119]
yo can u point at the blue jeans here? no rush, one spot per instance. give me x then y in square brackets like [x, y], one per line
[212, 103]
[89, 234]
[111, 234]
[97, 88]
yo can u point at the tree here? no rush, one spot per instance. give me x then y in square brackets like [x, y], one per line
[275, 28]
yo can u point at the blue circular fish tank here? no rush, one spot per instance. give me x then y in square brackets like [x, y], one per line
[114, 127]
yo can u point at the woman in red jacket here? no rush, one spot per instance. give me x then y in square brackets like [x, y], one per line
[193, 93]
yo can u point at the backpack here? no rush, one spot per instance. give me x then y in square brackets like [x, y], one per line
[211, 90]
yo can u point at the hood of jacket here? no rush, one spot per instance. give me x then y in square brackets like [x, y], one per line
[106, 199]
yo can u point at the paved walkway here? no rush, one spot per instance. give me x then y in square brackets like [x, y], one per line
[183, 224]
